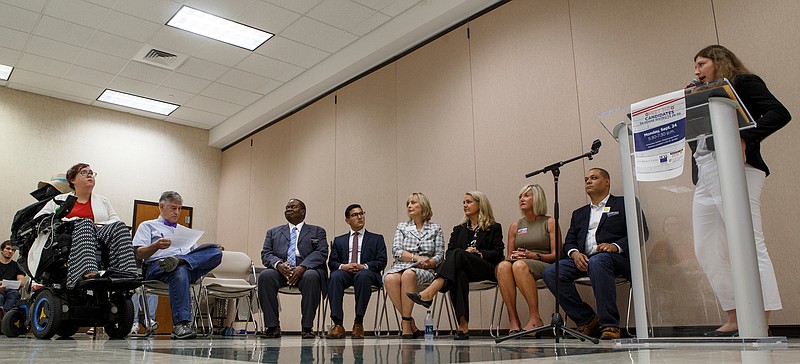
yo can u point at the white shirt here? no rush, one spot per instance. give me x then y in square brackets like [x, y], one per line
[594, 221]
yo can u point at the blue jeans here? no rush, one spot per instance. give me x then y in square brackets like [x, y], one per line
[603, 270]
[199, 263]
[8, 298]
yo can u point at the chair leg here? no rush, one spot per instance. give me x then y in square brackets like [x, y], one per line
[208, 311]
[494, 310]
[628, 314]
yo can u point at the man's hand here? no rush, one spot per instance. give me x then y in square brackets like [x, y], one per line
[296, 274]
[284, 269]
[608, 248]
[581, 261]
[2, 288]
[162, 243]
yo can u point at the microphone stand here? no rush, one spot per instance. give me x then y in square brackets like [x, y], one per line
[556, 321]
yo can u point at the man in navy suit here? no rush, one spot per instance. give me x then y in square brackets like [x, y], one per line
[357, 259]
[293, 255]
[597, 247]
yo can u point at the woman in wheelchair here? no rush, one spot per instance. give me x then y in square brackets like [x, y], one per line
[96, 225]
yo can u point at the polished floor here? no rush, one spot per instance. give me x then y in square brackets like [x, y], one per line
[293, 349]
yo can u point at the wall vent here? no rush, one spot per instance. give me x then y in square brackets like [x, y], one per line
[160, 58]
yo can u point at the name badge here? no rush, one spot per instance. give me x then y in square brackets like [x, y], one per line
[521, 231]
[606, 209]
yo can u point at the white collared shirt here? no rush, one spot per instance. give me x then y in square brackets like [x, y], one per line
[594, 221]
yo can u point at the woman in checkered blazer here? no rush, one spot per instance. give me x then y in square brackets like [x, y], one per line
[418, 249]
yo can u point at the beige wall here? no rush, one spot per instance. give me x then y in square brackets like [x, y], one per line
[135, 157]
[522, 91]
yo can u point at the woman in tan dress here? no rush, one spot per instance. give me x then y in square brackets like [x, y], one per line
[531, 248]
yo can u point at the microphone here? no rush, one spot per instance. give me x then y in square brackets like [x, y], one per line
[696, 82]
[596, 146]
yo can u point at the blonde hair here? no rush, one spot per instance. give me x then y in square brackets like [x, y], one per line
[539, 199]
[485, 215]
[427, 213]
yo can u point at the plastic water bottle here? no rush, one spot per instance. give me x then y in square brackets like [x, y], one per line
[428, 328]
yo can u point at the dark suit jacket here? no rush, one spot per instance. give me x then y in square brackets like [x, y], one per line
[311, 243]
[373, 251]
[489, 243]
[769, 114]
[612, 227]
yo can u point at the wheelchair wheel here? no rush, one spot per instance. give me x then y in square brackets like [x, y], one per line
[67, 330]
[121, 326]
[13, 324]
[46, 315]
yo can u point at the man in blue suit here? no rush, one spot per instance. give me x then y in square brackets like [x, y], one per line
[597, 247]
[293, 255]
[357, 259]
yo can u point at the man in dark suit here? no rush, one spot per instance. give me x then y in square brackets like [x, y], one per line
[357, 259]
[597, 247]
[294, 254]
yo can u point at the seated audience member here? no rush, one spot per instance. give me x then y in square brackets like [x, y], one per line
[357, 259]
[9, 270]
[596, 245]
[96, 223]
[178, 267]
[417, 249]
[294, 254]
[475, 248]
[531, 248]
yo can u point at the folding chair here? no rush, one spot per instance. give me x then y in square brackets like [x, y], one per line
[231, 280]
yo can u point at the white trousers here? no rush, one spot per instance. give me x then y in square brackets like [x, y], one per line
[711, 244]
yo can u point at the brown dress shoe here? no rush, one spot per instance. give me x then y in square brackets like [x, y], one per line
[590, 329]
[337, 332]
[610, 333]
[358, 331]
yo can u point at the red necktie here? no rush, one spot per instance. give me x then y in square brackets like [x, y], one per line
[354, 254]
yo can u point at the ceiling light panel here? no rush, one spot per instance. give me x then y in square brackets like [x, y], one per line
[5, 72]
[214, 27]
[137, 102]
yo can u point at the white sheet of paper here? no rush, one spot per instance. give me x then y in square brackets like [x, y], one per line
[12, 284]
[185, 238]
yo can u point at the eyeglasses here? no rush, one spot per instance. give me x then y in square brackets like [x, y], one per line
[358, 214]
[88, 174]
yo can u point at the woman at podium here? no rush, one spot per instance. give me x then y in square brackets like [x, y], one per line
[710, 243]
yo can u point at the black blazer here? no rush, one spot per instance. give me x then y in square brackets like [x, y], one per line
[489, 243]
[770, 115]
[373, 252]
[612, 227]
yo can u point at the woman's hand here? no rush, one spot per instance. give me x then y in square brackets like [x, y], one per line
[474, 250]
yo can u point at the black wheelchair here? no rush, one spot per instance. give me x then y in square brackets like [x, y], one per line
[48, 307]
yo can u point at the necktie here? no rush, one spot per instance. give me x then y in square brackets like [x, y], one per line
[173, 224]
[292, 247]
[354, 254]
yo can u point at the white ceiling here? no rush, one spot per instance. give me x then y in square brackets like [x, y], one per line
[75, 49]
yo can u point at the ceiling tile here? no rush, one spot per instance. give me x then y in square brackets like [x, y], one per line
[77, 11]
[170, 95]
[18, 18]
[78, 89]
[203, 69]
[185, 113]
[298, 6]
[374, 4]
[100, 61]
[230, 94]
[176, 40]
[222, 53]
[145, 72]
[271, 68]
[32, 5]
[343, 14]
[114, 45]
[129, 26]
[189, 123]
[185, 82]
[33, 79]
[52, 49]
[213, 105]
[64, 31]
[50, 67]
[63, 96]
[226, 9]
[268, 87]
[89, 76]
[159, 11]
[370, 24]
[244, 80]
[398, 6]
[318, 35]
[103, 3]
[9, 56]
[12, 38]
[131, 86]
[267, 17]
[292, 52]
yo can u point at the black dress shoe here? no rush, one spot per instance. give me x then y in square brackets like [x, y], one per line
[460, 335]
[717, 333]
[272, 333]
[307, 335]
[416, 298]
